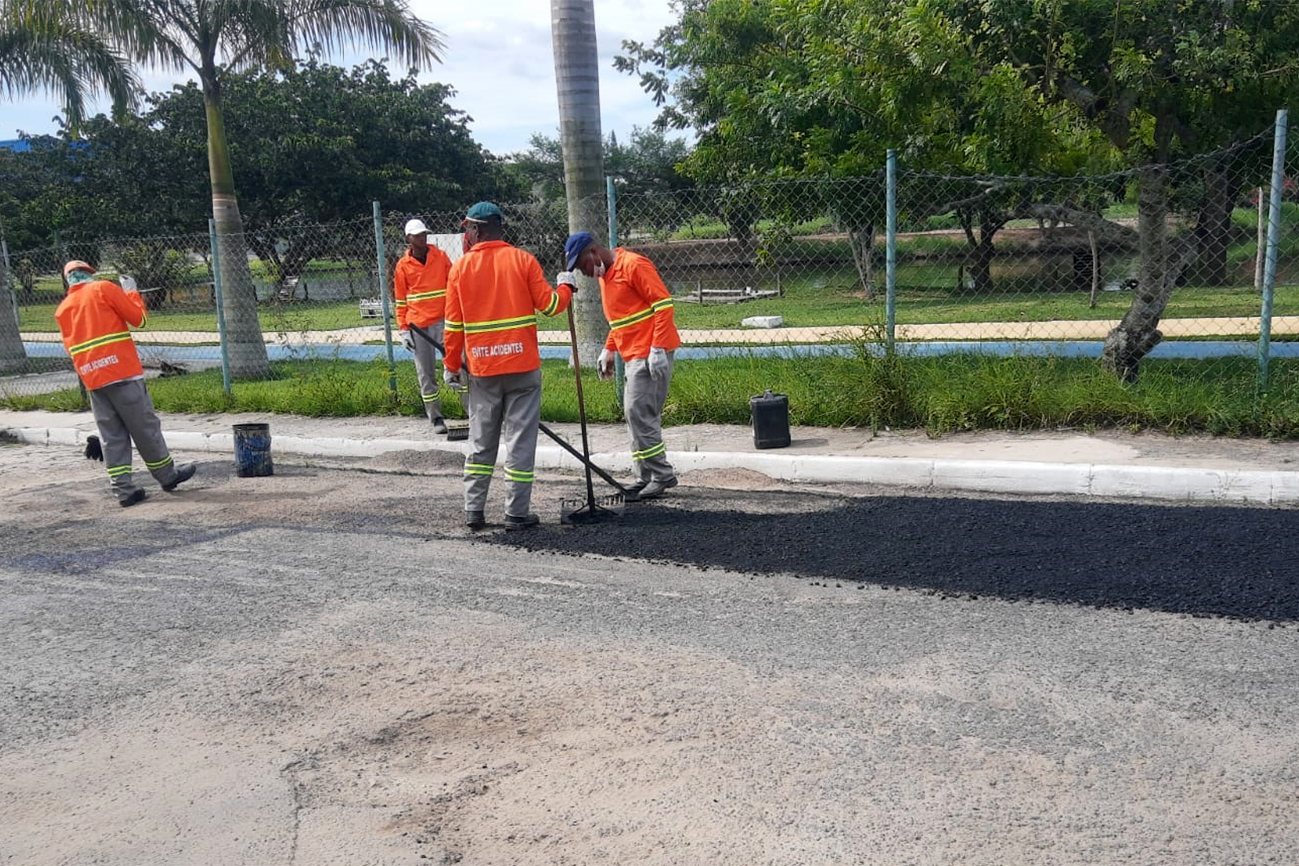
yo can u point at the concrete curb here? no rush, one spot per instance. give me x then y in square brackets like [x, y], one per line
[1162, 483]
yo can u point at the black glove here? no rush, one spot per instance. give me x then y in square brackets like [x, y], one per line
[93, 451]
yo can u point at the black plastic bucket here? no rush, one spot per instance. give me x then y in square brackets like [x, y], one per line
[770, 414]
[253, 450]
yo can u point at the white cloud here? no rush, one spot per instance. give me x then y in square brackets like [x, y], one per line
[498, 59]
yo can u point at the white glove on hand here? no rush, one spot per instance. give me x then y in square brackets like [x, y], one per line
[567, 278]
[128, 282]
[604, 365]
[658, 363]
[407, 340]
[457, 380]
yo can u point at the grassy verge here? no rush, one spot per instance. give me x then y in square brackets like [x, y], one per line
[943, 394]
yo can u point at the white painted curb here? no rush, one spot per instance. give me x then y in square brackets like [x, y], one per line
[1164, 483]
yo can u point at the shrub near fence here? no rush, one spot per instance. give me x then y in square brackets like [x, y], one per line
[1007, 286]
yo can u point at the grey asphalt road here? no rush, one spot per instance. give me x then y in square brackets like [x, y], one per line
[323, 668]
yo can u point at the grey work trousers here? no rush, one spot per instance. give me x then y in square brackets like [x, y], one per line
[124, 414]
[506, 406]
[642, 398]
[426, 371]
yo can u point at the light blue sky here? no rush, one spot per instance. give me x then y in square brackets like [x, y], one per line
[499, 61]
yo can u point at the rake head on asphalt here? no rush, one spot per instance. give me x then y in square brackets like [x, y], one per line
[583, 512]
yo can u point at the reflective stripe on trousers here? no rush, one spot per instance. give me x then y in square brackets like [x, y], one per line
[124, 414]
[508, 408]
[426, 371]
[643, 400]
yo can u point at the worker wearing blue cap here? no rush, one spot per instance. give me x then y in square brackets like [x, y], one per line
[643, 331]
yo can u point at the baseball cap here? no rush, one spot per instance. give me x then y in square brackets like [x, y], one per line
[415, 227]
[483, 211]
[77, 265]
[574, 246]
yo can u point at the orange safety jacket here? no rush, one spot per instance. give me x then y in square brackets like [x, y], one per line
[95, 320]
[638, 306]
[493, 295]
[420, 288]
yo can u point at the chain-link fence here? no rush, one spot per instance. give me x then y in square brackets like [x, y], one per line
[1154, 274]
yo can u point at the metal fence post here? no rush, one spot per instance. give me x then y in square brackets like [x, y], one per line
[891, 248]
[220, 307]
[612, 194]
[1273, 239]
[381, 279]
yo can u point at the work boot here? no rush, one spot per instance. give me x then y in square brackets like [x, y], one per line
[528, 521]
[475, 519]
[183, 474]
[656, 487]
[439, 425]
[135, 496]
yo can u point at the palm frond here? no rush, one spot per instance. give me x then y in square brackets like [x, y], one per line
[383, 25]
[143, 30]
[72, 63]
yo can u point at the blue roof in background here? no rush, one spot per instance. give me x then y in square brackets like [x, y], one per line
[17, 145]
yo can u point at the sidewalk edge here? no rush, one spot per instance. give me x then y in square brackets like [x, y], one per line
[1162, 483]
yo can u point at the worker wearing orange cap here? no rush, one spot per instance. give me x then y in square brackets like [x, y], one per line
[494, 293]
[95, 321]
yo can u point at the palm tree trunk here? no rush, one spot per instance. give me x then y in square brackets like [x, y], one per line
[239, 298]
[577, 79]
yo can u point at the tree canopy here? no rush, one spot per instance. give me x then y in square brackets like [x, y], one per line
[312, 145]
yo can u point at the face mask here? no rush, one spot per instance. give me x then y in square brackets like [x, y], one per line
[76, 278]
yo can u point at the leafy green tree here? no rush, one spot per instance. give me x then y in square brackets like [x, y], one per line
[317, 144]
[1160, 79]
[211, 38]
[823, 88]
[647, 165]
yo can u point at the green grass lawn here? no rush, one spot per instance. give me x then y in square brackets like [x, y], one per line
[941, 394]
[815, 298]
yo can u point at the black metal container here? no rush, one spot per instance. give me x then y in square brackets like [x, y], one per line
[770, 414]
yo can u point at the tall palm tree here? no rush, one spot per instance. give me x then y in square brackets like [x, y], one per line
[209, 37]
[73, 63]
[577, 79]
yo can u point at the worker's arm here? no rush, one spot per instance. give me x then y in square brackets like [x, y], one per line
[546, 300]
[399, 289]
[446, 265]
[129, 305]
[454, 336]
[651, 287]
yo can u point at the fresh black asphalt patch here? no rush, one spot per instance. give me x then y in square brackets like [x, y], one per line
[1205, 561]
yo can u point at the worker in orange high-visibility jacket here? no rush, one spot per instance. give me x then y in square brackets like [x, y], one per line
[643, 331]
[419, 286]
[95, 320]
[494, 293]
